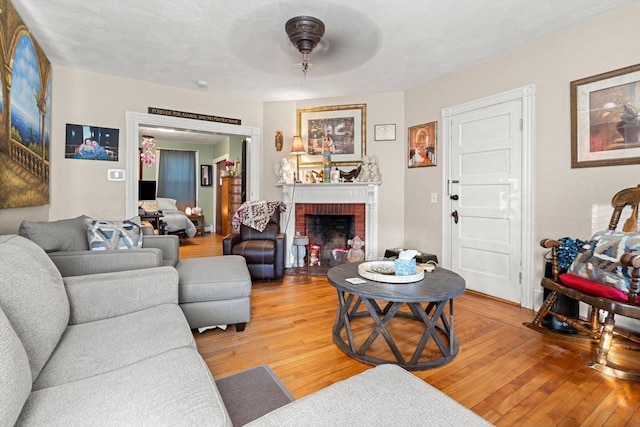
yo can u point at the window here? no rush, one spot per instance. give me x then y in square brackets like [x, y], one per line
[177, 177]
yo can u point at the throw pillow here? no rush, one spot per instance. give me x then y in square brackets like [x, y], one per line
[114, 235]
[165, 204]
[599, 258]
[54, 236]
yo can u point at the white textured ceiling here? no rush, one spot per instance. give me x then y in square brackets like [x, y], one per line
[240, 48]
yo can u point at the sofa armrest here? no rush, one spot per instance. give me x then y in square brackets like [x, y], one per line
[168, 244]
[229, 242]
[101, 296]
[80, 263]
[386, 395]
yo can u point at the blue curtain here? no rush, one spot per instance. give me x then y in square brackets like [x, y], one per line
[177, 177]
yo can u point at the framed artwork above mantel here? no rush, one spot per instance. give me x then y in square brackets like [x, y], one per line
[342, 127]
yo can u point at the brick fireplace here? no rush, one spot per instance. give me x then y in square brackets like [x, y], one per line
[359, 200]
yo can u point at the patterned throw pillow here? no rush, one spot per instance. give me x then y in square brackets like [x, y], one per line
[599, 258]
[112, 235]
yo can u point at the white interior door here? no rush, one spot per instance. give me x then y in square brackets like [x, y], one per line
[485, 198]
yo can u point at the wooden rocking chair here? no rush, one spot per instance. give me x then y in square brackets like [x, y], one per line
[598, 296]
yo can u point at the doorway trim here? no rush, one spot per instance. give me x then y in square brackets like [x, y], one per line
[527, 95]
[134, 120]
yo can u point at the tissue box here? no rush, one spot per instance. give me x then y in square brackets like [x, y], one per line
[405, 267]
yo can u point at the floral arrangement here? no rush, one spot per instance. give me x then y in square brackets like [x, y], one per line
[232, 167]
[148, 157]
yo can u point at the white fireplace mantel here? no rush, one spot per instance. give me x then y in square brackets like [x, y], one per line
[338, 193]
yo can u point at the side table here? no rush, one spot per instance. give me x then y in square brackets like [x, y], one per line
[198, 221]
[153, 218]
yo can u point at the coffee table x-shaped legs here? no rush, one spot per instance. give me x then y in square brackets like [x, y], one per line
[438, 326]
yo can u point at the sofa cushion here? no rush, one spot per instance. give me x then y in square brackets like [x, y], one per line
[15, 373]
[101, 346]
[33, 297]
[114, 235]
[386, 395]
[174, 388]
[53, 236]
[599, 258]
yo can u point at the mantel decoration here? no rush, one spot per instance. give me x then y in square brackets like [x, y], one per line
[297, 148]
[148, 157]
[340, 129]
[304, 33]
[605, 119]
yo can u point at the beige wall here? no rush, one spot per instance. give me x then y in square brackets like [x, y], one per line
[81, 186]
[565, 198]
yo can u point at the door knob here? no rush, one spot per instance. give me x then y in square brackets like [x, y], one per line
[454, 197]
[454, 214]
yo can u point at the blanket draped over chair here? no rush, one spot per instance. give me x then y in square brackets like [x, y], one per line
[255, 214]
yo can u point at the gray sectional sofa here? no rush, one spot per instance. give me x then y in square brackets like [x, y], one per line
[115, 349]
[212, 290]
[104, 349]
[66, 243]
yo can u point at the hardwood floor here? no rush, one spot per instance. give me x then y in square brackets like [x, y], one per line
[504, 372]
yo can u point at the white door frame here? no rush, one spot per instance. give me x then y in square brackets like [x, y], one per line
[134, 120]
[527, 95]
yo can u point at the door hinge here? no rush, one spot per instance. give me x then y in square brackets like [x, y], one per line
[521, 125]
[520, 278]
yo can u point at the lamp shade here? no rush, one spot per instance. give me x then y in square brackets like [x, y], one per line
[297, 147]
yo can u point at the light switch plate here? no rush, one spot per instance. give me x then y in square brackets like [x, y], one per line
[115, 175]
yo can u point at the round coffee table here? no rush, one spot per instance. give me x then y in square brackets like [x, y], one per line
[426, 301]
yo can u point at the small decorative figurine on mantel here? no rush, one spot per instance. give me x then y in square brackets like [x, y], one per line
[370, 171]
[279, 140]
[284, 171]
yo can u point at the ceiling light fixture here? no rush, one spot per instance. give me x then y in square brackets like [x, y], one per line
[305, 33]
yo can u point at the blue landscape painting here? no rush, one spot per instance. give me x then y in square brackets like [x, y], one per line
[26, 117]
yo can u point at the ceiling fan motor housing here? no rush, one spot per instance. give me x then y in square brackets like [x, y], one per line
[304, 32]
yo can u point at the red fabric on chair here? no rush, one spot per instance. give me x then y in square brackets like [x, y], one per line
[593, 288]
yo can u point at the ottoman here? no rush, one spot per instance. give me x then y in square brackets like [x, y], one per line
[215, 291]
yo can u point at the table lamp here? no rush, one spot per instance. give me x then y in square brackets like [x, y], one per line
[297, 148]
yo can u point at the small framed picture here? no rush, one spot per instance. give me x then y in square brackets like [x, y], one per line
[422, 145]
[384, 132]
[205, 175]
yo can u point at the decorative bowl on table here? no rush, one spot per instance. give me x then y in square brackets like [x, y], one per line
[384, 271]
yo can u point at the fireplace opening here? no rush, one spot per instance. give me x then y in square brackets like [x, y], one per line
[328, 236]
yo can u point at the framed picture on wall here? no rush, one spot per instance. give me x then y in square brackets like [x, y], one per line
[384, 132]
[422, 145]
[88, 142]
[605, 119]
[340, 128]
[206, 177]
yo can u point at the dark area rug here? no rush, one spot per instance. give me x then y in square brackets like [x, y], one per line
[250, 394]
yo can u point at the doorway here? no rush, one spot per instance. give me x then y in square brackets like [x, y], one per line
[488, 183]
[134, 120]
